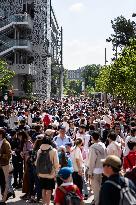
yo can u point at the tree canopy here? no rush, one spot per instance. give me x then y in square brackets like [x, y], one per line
[119, 78]
[124, 30]
[90, 74]
[5, 74]
[73, 87]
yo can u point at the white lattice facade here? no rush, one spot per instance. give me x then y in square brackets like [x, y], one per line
[31, 42]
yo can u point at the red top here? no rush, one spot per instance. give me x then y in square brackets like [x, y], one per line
[130, 160]
[46, 120]
[59, 195]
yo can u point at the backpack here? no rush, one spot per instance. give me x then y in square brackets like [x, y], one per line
[44, 164]
[127, 194]
[71, 197]
[131, 175]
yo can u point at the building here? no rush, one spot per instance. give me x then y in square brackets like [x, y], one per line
[31, 44]
[75, 74]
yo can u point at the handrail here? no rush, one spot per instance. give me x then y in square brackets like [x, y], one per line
[15, 43]
[16, 19]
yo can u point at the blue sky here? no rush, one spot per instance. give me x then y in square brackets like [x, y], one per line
[86, 25]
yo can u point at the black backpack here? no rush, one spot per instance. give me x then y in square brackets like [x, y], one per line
[71, 197]
[127, 194]
[44, 164]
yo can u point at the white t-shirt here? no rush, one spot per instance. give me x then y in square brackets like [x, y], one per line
[76, 154]
[114, 148]
[12, 119]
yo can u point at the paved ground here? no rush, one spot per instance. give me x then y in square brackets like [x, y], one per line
[17, 200]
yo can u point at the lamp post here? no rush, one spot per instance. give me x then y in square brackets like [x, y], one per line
[105, 94]
[134, 15]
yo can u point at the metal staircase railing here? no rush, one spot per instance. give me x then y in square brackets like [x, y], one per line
[14, 44]
[16, 19]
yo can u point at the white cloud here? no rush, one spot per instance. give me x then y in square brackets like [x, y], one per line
[80, 53]
[76, 7]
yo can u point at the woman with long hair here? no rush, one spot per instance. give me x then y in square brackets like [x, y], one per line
[77, 161]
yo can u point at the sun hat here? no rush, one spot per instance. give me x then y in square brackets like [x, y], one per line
[112, 161]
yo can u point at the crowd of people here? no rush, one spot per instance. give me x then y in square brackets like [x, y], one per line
[63, 150]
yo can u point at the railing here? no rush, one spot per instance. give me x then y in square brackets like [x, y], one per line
[14, 44]
[23, 69]
[17, 18]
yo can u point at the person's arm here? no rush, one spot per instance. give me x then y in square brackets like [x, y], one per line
[56, 161]
[77, 159]
[91, 161]
[79, 168]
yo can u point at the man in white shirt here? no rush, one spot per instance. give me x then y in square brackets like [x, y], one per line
[62, 139]
[96, 153]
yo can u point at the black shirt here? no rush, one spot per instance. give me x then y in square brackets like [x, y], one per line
[110, 194]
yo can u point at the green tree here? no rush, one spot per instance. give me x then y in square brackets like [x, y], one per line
[89, 75]
[119, 78]
[5, 74]
[124, 30]
[73, 87]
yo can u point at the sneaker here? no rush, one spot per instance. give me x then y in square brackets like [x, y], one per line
[15, 185]
[19, 186]
[32, 201]
[11, 194]
[24, 197]
[85, 197]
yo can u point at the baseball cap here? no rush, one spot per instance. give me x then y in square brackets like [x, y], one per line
[112, 161]
[65, 172]
[62, 127]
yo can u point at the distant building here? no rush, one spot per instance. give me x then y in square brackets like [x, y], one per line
[75, 74]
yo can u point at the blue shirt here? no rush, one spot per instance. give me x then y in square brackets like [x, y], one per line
[59, 141]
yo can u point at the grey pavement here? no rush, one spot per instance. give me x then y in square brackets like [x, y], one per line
[18, 201]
